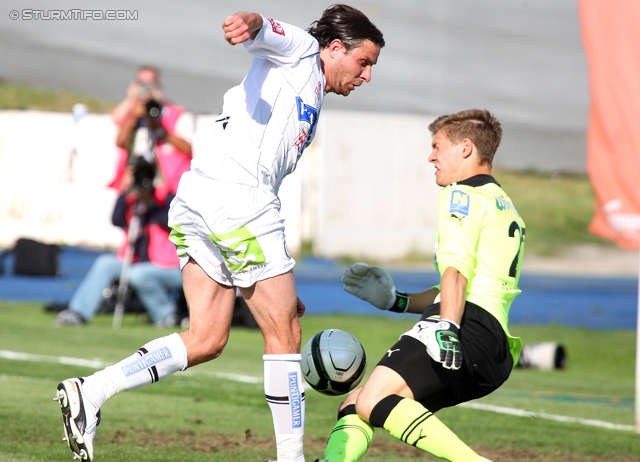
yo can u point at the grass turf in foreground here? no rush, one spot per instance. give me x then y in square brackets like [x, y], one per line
[199, 416]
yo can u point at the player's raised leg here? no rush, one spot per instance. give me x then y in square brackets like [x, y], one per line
[81, 398]
[274, 304]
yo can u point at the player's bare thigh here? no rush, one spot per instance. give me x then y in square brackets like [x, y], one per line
[381, 383]
[273, 303]
[210, 311]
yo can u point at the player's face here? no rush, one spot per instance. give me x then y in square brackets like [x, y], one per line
[447, 158]
[350, 69]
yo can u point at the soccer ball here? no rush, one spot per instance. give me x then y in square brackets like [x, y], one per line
[333, 362]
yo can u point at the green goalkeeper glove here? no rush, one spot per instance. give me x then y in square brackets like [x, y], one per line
[443, 344]
[374, 285]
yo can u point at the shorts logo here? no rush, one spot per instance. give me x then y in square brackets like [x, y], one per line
[276, 27]
[239, 248]
[459, 203]
[390, 352]
[178, 238]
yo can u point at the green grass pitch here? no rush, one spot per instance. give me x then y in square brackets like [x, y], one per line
[217, 411]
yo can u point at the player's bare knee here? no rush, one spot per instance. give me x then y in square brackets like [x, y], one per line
[199, 356]
[201, 350]
[364, 407]
[351, 398]
[215, 346]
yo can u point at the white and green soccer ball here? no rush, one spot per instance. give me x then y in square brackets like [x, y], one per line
[333, 362]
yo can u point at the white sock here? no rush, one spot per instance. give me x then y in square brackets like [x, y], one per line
[284, 391]
[153, 361]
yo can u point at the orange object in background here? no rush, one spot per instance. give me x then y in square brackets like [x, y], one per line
[611, 38]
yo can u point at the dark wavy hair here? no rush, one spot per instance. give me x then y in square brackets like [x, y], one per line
[479, 125]
[346, 23]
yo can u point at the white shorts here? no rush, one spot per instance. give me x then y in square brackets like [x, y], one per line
[233, 231]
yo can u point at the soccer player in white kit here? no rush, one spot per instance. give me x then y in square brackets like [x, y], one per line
[226, 219]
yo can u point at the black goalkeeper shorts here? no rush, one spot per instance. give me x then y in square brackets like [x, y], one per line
[486, 362]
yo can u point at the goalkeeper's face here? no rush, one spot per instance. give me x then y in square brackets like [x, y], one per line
[448, 159]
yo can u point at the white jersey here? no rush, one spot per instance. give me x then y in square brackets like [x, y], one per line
[270, 118]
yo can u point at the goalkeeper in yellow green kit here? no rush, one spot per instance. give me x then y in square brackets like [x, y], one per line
[461, 348]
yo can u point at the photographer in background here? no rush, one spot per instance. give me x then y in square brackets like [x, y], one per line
[152, 127]
[147, 81]
[155, 271]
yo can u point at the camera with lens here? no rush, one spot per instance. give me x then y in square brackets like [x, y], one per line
[153, 109]
[144, 174]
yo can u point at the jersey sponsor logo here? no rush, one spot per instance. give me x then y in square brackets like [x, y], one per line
[295, 400]
[276, 27]
[459, 203]
[307, 114]
[504, 204]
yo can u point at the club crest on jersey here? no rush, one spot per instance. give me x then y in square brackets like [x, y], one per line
[307, 114]
[276, 27]
[459, 203]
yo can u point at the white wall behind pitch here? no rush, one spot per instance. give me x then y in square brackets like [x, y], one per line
[364, 188]
[378, 189]
[53, 176]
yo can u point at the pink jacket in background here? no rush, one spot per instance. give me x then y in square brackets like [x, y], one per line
[171, 162]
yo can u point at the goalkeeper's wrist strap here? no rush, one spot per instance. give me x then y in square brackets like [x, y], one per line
[401, 303]
[451, 323]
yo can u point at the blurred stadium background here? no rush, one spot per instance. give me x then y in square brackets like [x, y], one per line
[523, 60]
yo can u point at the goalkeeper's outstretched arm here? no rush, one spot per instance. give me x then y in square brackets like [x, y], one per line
[418, 301]
[375, 285]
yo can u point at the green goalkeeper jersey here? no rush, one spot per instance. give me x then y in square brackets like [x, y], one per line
[481, 234]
